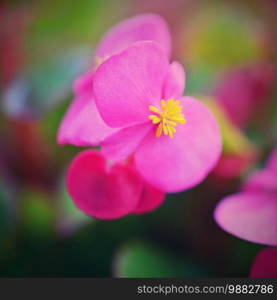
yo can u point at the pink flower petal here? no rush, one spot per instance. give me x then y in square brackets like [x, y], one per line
[185, 160]
[175, 81]
[272, 161]
[262, 181]
[83, 84]
[265, 264]
[127, 83]
[82, 124]
[100, 191]
[151, 198]
[249, 216]
[144, 27]
[124, 142]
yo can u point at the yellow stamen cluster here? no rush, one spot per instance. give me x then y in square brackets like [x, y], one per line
[168, 117]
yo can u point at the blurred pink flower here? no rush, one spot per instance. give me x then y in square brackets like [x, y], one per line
[232, 165]
[242, 92]
[175, 139]
[108, 191]
[265, 264]
[82, 124]
[242, 95]
[252, 213]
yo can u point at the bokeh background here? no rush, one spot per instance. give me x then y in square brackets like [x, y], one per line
[228, 48]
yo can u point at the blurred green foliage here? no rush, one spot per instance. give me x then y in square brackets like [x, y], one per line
[146, 260]
[37, 214]
[220, 37]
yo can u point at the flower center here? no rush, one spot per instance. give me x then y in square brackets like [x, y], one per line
[168, 117]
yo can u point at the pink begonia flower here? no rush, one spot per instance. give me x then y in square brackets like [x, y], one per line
[82, 124]
[175, 139]
[108, 191]
[252, 213]
[242, 92]
[265, 264]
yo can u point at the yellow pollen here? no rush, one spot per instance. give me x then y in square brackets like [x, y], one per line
[168, 117]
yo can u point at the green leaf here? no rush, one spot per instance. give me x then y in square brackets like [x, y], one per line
[37, 213]
[215, 33]
[140, 259]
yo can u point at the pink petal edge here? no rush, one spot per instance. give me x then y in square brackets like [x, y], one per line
[82, 124]
[249, 216]
[265, 264]
[127, 83]
[143, 27]
[100, 191]
[151, 198]
[174, 84]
